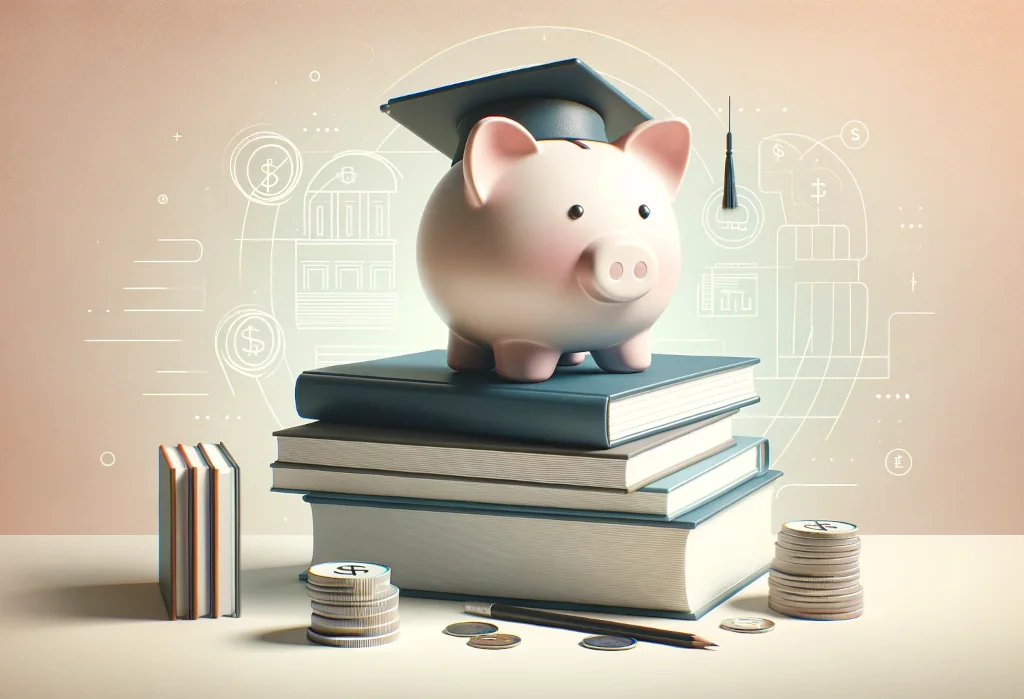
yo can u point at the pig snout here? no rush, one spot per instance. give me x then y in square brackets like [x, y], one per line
[617, 269]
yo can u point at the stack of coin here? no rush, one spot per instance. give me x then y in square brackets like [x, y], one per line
[354, 605]
[816, 571]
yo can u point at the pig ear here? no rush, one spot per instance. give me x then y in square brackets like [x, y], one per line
[494, 144]
[664, 146]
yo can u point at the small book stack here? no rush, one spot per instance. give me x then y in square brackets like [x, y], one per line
[622, 493]
[199, 525]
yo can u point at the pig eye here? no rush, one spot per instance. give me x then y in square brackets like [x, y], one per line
[575, 211]
[644, 211]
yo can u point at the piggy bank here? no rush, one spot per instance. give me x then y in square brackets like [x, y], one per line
[535, 252]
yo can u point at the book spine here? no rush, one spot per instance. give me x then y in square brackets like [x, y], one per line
[565, 419]
[214, 534]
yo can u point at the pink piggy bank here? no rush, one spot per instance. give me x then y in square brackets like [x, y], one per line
[535, 252]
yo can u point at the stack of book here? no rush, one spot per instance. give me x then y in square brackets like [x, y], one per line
[622, 493]
[199, 531]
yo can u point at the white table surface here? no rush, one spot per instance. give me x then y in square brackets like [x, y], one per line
[82, 617]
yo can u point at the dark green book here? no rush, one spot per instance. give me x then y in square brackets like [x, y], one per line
[579, 406]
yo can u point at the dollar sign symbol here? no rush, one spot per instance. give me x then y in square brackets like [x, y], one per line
[778, 151]
[819, 190]
[855, 133]
[349, 569]
[270, 178]
[256, 345]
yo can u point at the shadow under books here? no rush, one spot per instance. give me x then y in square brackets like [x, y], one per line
[753, 604]
[138, 601]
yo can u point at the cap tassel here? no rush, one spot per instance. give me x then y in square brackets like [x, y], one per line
[729, 189]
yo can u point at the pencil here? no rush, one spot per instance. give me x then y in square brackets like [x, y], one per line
[506, 612]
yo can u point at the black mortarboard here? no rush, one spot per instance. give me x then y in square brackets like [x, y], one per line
[562, 100]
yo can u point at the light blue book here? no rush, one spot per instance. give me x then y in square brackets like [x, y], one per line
[558, 559]
[667, 498]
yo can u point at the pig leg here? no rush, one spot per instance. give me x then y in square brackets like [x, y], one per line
[524, 361]
[572, 358]
[627, 357]
[464, 355]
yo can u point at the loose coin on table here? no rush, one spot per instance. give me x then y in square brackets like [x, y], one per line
[494, 641]
[465, 629]
[608, 643]
[748, 624]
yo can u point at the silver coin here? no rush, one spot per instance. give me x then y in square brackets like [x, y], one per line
[814, 570]
[816, 592]
[830, 560]
[748, 624]
[820, 529]
[352, 577]
[608, 643]
[782, 550]
[354, 610]
[830, 615]
[378, 630]
[354, 622]
[814, 583]
[351, 641]
[852, 599]
[804, 542]
[495, 641]
[335, 595]
[466, 629]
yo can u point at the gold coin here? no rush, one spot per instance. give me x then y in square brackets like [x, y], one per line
[494, 641]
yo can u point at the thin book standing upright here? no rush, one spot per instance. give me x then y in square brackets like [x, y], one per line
[173, 530]
[199, 531]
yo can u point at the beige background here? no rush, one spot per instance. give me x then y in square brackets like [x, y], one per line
[94, 93]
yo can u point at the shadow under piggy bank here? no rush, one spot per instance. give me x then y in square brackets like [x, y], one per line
[491, 378]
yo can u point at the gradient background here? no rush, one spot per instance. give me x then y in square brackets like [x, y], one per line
[93, 95]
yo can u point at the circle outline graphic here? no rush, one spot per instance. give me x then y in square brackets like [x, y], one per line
[753, 206]
[229, 328]
[910, 459]
[292, 155]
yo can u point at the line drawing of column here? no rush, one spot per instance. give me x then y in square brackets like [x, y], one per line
[345, 264]
[817, 262]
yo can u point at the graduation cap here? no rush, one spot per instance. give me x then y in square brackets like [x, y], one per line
[564, 100]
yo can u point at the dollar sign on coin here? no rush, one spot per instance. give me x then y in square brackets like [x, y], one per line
[778, 151]
[351, 569]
